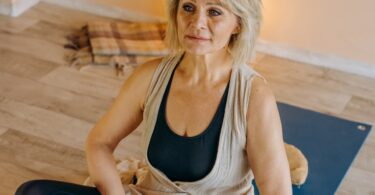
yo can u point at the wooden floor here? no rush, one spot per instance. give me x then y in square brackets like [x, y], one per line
[47, 108]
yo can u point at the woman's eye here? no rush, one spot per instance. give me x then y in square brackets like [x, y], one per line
[187, 8]
[214, 12]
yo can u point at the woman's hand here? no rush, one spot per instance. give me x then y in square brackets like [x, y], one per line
[265, 145]
[102, 168]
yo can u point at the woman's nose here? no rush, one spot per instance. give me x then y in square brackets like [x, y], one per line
[199, 20]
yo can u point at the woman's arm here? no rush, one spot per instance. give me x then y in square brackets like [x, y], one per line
[265, 144]
[122, 118]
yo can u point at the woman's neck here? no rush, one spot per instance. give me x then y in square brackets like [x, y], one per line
[205, 69]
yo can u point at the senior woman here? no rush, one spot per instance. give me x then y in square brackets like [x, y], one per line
[210, 122]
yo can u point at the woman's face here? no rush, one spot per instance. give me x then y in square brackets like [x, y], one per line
[204, 26]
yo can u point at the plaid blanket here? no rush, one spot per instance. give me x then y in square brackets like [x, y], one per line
[117, 44]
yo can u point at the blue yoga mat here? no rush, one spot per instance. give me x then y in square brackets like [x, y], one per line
[330, 145]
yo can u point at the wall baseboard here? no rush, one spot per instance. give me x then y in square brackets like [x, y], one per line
[318, 59]
[17, 7]
[105, 10]
[5, 8]
[21, 6]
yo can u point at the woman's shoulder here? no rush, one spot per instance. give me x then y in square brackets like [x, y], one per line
[148, 67]
[258, 82]
[261, 93]
[258, 86]
[249, 73]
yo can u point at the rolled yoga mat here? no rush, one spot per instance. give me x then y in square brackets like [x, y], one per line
[329, 144]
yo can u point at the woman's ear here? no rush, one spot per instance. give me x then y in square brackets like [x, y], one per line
[236, 30]
[238, 27]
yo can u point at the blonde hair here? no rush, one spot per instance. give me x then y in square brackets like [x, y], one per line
[241, 45]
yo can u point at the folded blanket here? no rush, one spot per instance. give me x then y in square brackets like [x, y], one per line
[117, 44]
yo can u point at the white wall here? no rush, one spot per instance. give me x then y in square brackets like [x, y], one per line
[150, 7]
[134, 10]
[339, 32]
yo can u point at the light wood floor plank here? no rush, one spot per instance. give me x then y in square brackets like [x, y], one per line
[48, 31]
[24, 65]
[56, 99]
[329, 79]
[58, 127]
[83, 83]
[16, 25]
[289, 85]
[26, 157]
[365, 159]
[361, 109]
[106, 71]
[39, 48]
[3, 130]
[46, 124]
[359, 182]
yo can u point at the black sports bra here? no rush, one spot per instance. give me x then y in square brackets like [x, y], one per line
[185, 158]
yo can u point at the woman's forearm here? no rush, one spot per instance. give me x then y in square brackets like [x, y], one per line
[102, 168]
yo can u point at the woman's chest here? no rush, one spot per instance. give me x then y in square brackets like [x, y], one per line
[190, 113]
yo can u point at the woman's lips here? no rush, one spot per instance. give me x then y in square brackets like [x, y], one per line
[195, 38]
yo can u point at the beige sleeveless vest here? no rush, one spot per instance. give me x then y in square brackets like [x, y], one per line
[231, 173]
